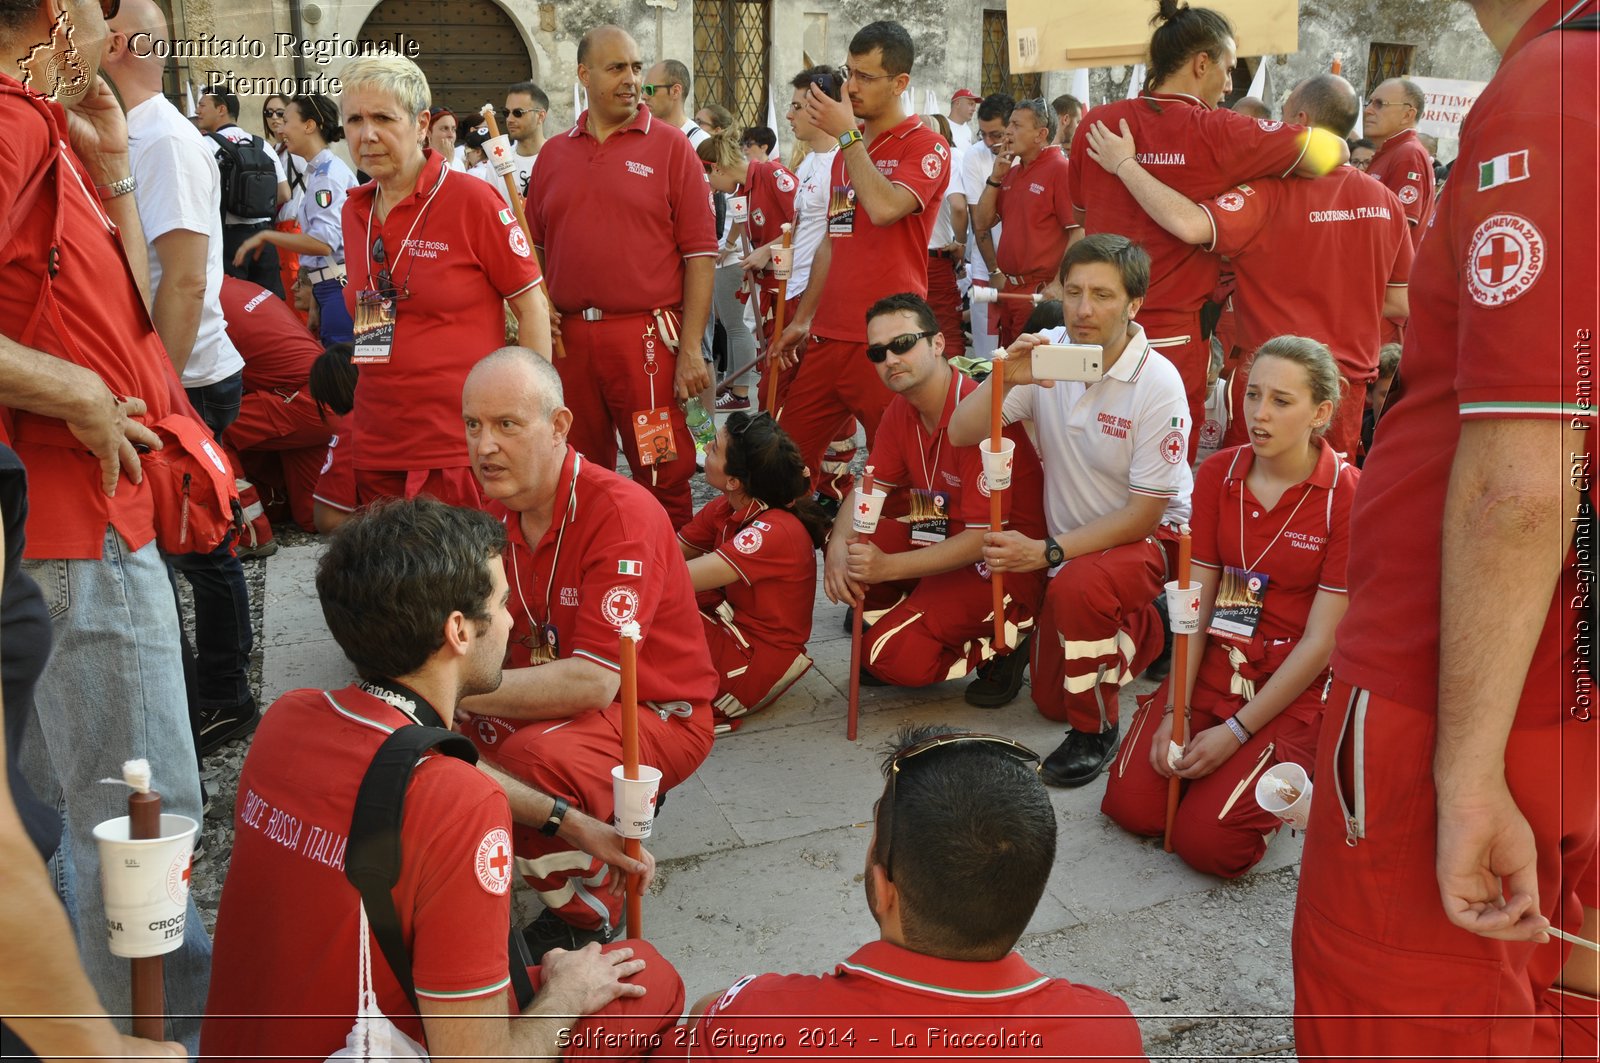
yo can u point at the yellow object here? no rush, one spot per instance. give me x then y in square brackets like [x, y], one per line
[1323, 150]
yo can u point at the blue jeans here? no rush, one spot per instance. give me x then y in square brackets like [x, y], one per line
[335, 324]
[222, 634]
[113, 691]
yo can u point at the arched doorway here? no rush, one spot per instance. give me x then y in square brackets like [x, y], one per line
[470, 49]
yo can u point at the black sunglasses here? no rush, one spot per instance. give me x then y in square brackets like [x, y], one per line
[516, 112]
[274, 112]
[877, 352]
[1013, 749]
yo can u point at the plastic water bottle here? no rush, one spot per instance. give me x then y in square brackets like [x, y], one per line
[701, 424]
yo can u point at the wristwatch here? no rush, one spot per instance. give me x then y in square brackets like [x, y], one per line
[1053, 554]
[848, 137]
[557, 814]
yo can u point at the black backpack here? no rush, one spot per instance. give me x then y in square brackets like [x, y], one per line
[372, 859]
[249, 178]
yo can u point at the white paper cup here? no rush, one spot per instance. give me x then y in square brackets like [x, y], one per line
[1183, 608]
[997, 467]
[1273, 788]
[981, 294]
[739, 208]
[146, 885]
[868, 508]
[782, 262]
[501, 155]
[634, 801]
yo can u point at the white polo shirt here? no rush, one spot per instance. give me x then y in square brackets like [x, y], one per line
[977, 163]
[178, 187]
[1100, 443]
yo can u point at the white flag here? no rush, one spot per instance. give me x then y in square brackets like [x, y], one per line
[1136, 81]
[1079, 86]
[772, 124]
[908, 102]
[188, 92]
[1258, 84]
[930, 102]
[577, 103]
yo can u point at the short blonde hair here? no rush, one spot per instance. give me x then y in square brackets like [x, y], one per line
[722, 149]
[392, 74]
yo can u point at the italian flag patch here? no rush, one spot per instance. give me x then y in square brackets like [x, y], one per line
[506, 217]
[324, 197]
[1503, 170]
[1177, 422]
[630, 568]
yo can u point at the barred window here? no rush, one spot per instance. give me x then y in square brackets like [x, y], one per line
[732, 44]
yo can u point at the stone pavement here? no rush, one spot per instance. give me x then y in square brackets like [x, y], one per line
[760, 853]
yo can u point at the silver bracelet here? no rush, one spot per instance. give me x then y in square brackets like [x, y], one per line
[116, 188]
[1238, 730]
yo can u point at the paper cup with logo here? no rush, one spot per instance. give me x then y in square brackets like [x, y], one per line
[1183, 608]
[501, 155]
[1285, 791]
[981, 294]
[868, 508]
[146, 885]
[782, 261]
[739, 208]
[634, 801]
[997, 467]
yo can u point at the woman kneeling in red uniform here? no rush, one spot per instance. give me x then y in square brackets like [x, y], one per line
[752, 555]
[1271, 523]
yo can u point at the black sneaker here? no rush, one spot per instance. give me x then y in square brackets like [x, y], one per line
[218, 727]
[1080, 758]
[870, 680]
[1161, 667]
[550, 931]
[999, 678]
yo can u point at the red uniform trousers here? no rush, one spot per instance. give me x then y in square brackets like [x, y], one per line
[573, 758]
[1220, 829]
[833, 480]
[1344, 431]
[627, 1027]
[754, 675]
[282, 442]
[455, 486]
[1009, 317]
[605, 382]
[1097, 629]
[939, 627]
[944, 295]
[1176, 337]
[835, 381]
[1379, 971]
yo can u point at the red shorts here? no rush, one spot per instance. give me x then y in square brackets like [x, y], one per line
[336, 485]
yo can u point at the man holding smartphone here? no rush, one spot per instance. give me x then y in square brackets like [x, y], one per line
[1114, 454]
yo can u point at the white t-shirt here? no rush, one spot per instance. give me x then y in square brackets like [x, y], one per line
[976, 166]
[1126, 434]
[962, 135]
[180, 187]
[486, 172]
[239, 136]
[815, 174]
[692, 130]
[523, 174]
[944, 233]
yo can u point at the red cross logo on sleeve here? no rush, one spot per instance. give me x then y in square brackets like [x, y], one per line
[1172, 447]
[501, 860]
[1499, 260]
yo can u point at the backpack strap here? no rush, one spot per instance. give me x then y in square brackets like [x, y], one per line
[373, 858]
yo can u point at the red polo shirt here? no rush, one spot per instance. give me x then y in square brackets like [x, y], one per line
[1402, 164]
[1314, 257]
[874, 261]
[615, 221]
[608, 557]
[1191, 147]
[287, 928]
[777, 566]
[771, 188]
[887, 1002]
[1302, 544]
[1504, 302]
[905, 456]
[95, 318]
[459, 252]
[1034, 202]
[277, 349]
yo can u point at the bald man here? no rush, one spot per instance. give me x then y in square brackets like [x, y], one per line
[1252, 107]
[587, 551]
[1401, 163]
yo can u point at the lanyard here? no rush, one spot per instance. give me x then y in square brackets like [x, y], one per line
[922, 455]
[751, 512]
[1242, 555]
[561, 531]
[394, 263]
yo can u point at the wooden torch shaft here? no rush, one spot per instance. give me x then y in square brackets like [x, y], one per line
[148, 999]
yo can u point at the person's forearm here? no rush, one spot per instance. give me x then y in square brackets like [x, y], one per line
[1397, 303]
[985, 241]
[1171, 209]
[970, 420]
[1118, 528]
[699, 282]
[985, 210]
[883, 201]
[548, 692]
[299, 243]
[959, 218]
[1507, 525]
[124, 213]
[960, 550]
[532, 312]
[176, 313]
[46, 385]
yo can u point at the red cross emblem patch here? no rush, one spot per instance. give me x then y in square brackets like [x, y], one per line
[493, 862]
[1173, 447]
[1504, 259]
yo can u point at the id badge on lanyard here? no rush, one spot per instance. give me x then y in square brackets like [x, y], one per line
[544, 645]
[930, 517]
[652, 428]
[842, 211]
[1241, 596]
[376, 313]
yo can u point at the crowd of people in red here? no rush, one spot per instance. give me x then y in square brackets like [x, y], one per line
[1362, 397]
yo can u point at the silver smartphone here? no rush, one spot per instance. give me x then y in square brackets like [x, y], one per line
[1069, 361]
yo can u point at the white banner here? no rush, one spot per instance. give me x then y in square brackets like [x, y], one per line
[1449, 101]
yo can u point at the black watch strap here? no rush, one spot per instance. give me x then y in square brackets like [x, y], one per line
[1053, 554]
[557, 814]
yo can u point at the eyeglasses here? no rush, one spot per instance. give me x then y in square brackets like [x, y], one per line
[109, 8]
[518, 112]
[994, 136]
[274, 112]
[852, 74]
[877, 352]
[1006, 746]
[1380, 104]
[651, 90]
